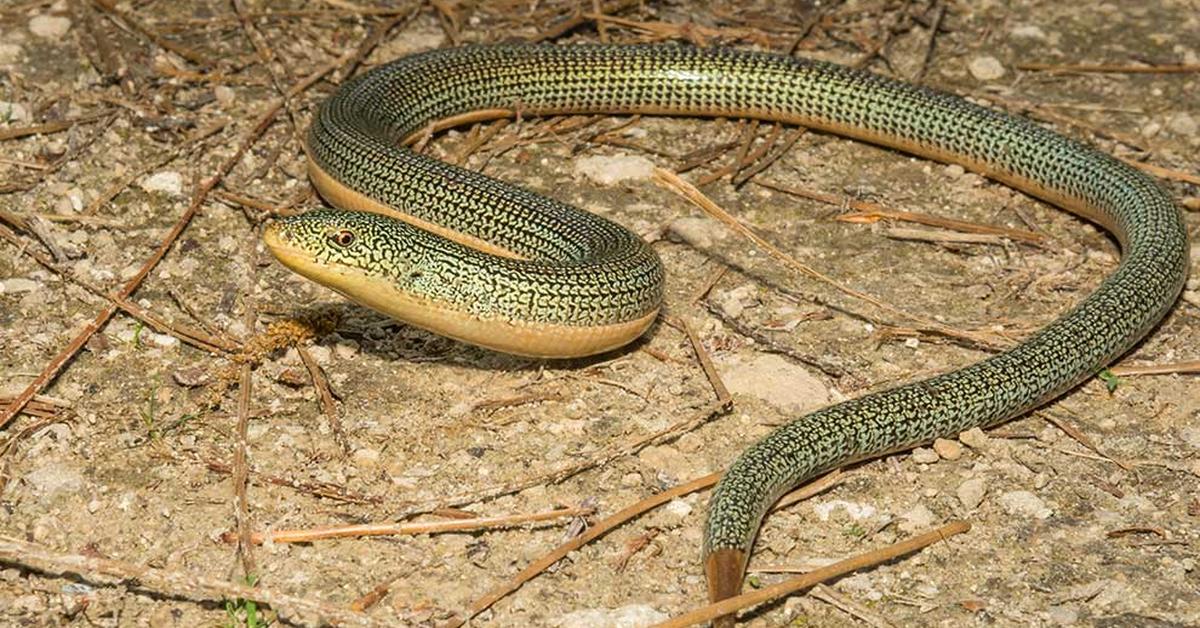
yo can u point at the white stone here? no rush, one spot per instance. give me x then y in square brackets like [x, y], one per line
[167, 182]
[775, 381]
[856, 511]
[632, 616]
[678, 507]
[971, 493]
[955, 171]
[9, 53]
[613, 169]
[986, 68]
[49, 26]
[18, 284]
[1028, 31]
[54, 477]
[1024, 504]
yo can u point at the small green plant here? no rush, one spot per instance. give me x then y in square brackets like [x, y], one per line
[138, 326]
[854, 531]
[1111, 381]
[242, 612]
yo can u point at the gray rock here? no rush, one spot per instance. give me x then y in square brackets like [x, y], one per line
[631, 616]
[775, 381]
[697, 232]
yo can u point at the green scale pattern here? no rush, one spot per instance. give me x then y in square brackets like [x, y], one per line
[587, 270]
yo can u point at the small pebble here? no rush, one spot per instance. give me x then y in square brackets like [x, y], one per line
[191, 377]
[631, 480]
[345, 349]
[613, 169]
[974, 438]
[733, 302]
[971, 493]
[924, 455]
[167, 182]
[986, 68]
[49, 26]
[1183, 124]
[320, 354]
[1024, 504]
[225, 95]
[365, 457]
[918, 518]
[948, 449]
[955, 171]
[678, 507]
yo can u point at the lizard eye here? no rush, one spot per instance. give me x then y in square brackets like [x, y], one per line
[342, 238]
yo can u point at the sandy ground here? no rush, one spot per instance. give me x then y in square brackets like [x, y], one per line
[127, 458]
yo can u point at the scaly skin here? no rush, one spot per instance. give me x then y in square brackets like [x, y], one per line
[578, 270]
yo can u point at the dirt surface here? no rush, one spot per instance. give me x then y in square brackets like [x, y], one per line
[126, 456]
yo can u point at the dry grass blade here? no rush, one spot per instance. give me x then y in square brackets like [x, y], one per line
[1111, 68]
[408, 529]
[1188, 367]
[840, 568]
